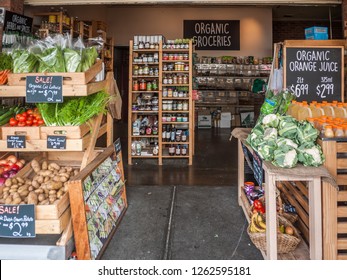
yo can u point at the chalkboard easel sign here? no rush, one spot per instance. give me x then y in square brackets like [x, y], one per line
[258, 169]
[17, 221]
[314, 70]
[44, 89]
[16, 142]
[56, 142]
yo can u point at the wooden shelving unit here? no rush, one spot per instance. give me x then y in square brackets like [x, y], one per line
[187, 127]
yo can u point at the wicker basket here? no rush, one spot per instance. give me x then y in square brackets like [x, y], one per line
[285, 243]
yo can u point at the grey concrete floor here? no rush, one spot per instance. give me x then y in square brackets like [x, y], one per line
[207, 222]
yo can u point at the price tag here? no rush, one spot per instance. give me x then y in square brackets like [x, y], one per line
[44, 89]
[17, 221]
[56, 142]
[16, 142]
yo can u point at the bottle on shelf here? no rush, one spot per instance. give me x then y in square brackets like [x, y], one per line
[173, 134]
[172, 150]
[163, 134]
[178, 150]
[168, 133]
[184, 150]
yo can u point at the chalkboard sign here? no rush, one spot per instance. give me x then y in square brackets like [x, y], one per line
[44, 89]
[213, 34]
[117, 145]
[14, 22]
[314, 73]
[17, 221]
[16, 142]
[258, 168]
[56, 142]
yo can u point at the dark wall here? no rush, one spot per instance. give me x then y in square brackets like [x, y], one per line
[295, 30]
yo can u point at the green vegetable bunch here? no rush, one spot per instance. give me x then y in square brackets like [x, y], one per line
[5, 62]
[24, 62]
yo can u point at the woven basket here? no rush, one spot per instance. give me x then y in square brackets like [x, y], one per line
[285, 243]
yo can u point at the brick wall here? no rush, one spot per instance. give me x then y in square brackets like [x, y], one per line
[295, 30]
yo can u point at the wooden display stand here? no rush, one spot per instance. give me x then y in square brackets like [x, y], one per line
[273, 174]
[82, 150]
[163, 151]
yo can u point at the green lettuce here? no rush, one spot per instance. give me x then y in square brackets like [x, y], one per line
[72, 60]
[52, 60]
[24, 62]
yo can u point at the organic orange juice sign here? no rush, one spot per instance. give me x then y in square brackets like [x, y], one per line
[314, 73]
[17, 221]
[44, 89]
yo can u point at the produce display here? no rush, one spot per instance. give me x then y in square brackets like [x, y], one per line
[9, 167]
[46, 187]
[30, 117]
[257, 224]
[5, 67]
[8, 112]
[73, 111]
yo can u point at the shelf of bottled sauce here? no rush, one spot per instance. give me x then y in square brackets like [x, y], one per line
[174, 141]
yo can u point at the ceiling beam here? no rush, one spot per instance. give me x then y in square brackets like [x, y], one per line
[174, 2]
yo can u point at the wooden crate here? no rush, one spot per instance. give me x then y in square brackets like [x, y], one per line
[71, 132]
[78, 78]
[335, 201]
[30, 132]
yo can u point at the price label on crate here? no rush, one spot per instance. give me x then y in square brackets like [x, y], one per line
[56, 142]
[44, 89]
[17, 221]
[16, 142]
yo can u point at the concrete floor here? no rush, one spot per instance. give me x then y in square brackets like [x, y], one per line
[206, 221]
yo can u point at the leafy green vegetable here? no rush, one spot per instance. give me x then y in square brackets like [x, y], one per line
[52, 60]
[74, 110]
[89, 56]
[266, 152]
[276, 103]
[288, 127]
[285, 156]
[24, 62]
[311, 154]
[306, 132]
[72, 60]
[286, 142]
[5, 61]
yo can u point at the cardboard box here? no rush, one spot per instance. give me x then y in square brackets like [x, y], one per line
[225, 120]
[316, 33]
[204, 121]
[235, 120]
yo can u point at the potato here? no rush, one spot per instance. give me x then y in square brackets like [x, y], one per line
[44, 202]
[5, 195]
[38, 191]
[8, 182]
[51, 200]
[26, 199]
[54, 185]
[2, 201]
[51, 192]
[44, 165]
[75, 172]
[31, 188]
[35, 165]
[41, 197]
[66, 187]
[32, 198]
[62, 170]
[14, 187]
[22, 188]
[53, 166]
[14, 181]
[24, 193]
[69, 168]
[45, 173]
[28, 182]
[12, 191]
[60, 193]
[22, 202]
[15, 195]
[40, 179]
[8, 200]
[35, 184]
[16, 200]
[20, 180]
[6, 189]
[46, 179]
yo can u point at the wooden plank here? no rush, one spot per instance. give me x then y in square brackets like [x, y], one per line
[303, 228]
[76, 156]
[314, 43]
[298, 196]
[67, 234]
[301, 212]
[341, 147]
[241, 170]
[342, 256]
[341, 227]
[30, 132]
[302, 187]
[342, 211]
[79, 220]
[341, 179]
[341, 163]
[342, 244]
[71, 132]
[53, 226]
[330, 150]
[130, 102]
[53, 211]
[342, 196]
[68, 90]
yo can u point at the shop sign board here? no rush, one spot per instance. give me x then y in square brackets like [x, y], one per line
[213, 34]
[44, 89]
[17, 221]
[14, 22]
[314, 73]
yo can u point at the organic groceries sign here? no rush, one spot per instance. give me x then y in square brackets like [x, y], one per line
[213, 34]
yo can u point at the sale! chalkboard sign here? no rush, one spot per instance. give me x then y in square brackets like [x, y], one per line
[17, 221]
[56, 142]
[213, 34]
[16, 142]
[44, 89]
[314, 73]
[14, 22]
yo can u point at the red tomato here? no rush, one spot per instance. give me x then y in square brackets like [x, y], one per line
[22, 118]
[13, 122]
[40, 121]
[29, 122]
[24, 114]
[34, 121]
[18, 116]
[21, 123]
[30, 112]
[29, 118]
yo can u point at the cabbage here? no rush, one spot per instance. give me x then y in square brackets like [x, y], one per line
[288, 127]
[311, 154]
[286, 142]
[306, 132]
[271, 120]
[285, 156]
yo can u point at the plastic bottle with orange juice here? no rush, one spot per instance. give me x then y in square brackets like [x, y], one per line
[328, 109]
[317, 110]
[304, 112]
[340, 111]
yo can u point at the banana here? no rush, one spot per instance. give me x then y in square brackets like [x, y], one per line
[262, 224]
[256, 226]
[259, 218]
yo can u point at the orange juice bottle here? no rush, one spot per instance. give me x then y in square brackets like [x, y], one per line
[328, 109]
[304, 112]
[295, 109]
[340, 111]
[290, 107]
[317, 110]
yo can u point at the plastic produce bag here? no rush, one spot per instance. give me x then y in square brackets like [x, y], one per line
[73, 55]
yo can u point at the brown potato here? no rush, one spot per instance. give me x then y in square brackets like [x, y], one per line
[46, 179]
[41, 197]
[31, 188]
[14, 187]
[24, 193]
[22, 202]
[44, 202]
[35, 184]
[12, 191]
[16, 200]
[54, 185]
[8, 182]
[8, 200]
[2, 201]
[45, 173]
[35, 165]
[38, 191]
[6, 189]
[15, 195]
[5, 195]
[32, 198]
[53, 166]
[14, 181]
[20, 180]
[44, 165]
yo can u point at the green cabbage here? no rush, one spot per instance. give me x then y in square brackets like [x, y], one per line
[288, 127]
[306, 132]
[311, 154]
[285, 156]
